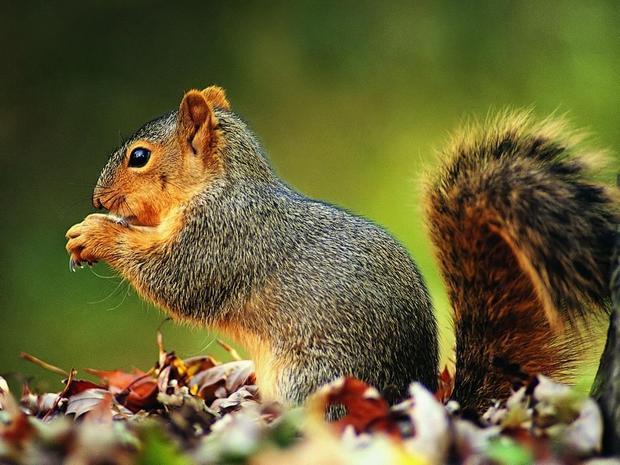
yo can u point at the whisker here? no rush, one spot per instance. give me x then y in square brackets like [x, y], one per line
[126, 204]
[111, 200]
[122, 301]
[114, 202]
[174, 184]
[209, 344]
[118, 286]
[104, 277]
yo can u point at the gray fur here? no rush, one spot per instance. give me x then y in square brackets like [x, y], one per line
[337, 294]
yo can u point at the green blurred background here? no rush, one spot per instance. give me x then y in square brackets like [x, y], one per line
[350, 99]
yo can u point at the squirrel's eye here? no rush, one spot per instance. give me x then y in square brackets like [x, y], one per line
[139, 157]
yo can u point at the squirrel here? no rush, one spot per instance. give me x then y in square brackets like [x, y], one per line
[202, 226]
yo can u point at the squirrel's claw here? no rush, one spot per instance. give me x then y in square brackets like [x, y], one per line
[75, 263]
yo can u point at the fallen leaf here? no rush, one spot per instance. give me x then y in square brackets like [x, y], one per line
[445, 385]
[431, 425]
[78, 385]
[117, 380]
[584, 436]
[39, 404]
[140, 395]
[85, 401]
[366, 410]
[18, 430]
[235, 399]
[222, 380]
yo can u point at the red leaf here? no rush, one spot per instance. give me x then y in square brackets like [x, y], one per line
[78, 385]
[141, 395]
[445, 386]
[117, 380]
[136, 391]
[367, 411]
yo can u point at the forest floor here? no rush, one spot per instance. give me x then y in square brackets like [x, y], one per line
[200, 411]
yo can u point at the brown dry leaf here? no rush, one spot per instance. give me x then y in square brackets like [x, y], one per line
[197, 364]
[19, 429]
[86, 401]
[234, 400]
[222, 380]
[38, 404]
[136, 391]
[175, 364]
[163, 380]
[102, 412]
[172, 371]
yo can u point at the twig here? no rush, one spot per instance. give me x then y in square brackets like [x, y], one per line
[46, 366]
[71, 376]
[233, 353]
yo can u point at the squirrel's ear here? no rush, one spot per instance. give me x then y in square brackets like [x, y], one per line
[216, 96]
[196, 123]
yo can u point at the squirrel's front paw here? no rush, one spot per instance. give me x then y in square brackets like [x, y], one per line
[92, 240]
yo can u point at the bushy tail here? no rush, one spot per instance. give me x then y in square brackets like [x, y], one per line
[524, 241]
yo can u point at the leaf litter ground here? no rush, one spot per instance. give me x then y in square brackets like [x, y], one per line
[199, 411]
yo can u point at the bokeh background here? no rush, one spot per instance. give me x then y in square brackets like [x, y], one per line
[351, 99]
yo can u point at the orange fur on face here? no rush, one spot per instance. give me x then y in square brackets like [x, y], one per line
[177, 169]
[145, 195]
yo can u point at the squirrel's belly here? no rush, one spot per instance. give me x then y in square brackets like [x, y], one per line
[267, 366]
[267, 372]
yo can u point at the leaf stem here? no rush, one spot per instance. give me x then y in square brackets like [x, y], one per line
[44, 365]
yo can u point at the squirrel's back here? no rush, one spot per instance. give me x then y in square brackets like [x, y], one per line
[355, 288]
[331, 293]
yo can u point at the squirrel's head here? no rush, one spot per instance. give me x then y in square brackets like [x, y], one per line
[166, 161]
